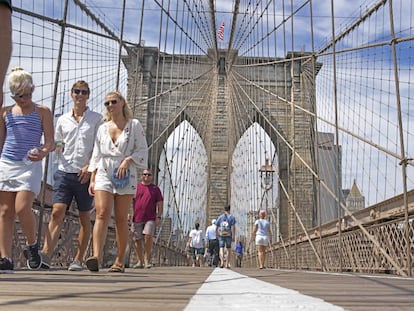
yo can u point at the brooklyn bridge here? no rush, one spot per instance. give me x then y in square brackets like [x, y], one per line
[300, 108]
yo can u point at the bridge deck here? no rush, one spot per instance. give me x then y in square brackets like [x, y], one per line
[171, 289]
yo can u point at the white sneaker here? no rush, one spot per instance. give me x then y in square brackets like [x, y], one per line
[76, 265]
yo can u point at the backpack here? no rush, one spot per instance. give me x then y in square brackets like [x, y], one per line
[225, 227]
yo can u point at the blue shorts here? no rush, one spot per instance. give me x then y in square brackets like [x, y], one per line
[225, 241]
[67, 187]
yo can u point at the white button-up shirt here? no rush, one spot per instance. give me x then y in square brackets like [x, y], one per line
[211, 232]
[78, 139]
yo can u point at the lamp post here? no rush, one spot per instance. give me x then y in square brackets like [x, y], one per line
[266, 176]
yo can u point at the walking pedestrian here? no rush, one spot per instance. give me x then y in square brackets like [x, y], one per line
[74, 136]
[226, 231]
[22, 126]
[196, 243]
[120, 149]
[148, 210]
[212, 244]
[262, 235]
[239, 254]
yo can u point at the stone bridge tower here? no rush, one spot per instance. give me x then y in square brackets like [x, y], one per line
[151, 74]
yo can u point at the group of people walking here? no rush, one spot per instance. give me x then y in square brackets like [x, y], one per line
[216, 244]
[99, 157]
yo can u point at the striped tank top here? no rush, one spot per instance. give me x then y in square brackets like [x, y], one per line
[23, 132]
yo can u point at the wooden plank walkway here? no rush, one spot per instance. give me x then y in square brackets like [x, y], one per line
[353, 292]
[171, 288]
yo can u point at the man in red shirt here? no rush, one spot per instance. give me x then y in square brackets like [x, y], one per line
[148, 208]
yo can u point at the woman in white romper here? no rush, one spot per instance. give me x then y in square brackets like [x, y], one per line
[120, 148]
[262, 235]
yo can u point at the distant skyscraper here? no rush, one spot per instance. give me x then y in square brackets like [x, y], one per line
[355, 201]
[327, 168]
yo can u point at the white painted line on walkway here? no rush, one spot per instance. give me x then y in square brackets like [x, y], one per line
[227, 290]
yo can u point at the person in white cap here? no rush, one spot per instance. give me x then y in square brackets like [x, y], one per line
[212, 244]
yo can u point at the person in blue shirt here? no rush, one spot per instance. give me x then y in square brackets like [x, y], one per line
[226, 232]
[239, 254]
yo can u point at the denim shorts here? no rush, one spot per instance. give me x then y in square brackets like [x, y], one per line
[225, 241]
[68, 187]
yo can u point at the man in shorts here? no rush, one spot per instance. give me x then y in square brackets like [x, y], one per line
[74, 136]
[226, 232]
[148, 208]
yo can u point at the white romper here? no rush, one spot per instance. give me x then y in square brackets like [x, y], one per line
[108, 155]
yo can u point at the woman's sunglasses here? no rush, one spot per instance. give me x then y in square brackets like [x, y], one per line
[110, 102]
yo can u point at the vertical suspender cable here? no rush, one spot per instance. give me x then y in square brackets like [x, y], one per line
[336, 134]
[120, 44]
[55, 90]
[403, 163]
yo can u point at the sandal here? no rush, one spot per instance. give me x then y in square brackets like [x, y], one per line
[116, 268]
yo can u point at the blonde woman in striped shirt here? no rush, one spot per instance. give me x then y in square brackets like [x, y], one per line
[22, 126]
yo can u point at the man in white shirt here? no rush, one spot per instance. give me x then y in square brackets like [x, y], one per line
[212, 244]
[74, 136]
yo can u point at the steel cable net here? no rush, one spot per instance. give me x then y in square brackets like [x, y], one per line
[320, 89]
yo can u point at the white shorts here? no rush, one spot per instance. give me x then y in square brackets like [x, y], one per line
[262, 240]
[17, 176]
[103, 182]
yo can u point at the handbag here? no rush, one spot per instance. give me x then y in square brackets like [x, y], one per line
[120, 183]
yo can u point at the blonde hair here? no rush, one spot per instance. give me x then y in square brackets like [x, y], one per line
[20, 80]
[126, 109]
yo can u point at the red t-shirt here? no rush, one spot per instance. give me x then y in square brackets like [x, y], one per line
[146, 199]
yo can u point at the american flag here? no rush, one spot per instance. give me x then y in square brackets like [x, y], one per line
[220, 32]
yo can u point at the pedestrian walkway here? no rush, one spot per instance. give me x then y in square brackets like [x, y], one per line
[234, 291]
[186, 288]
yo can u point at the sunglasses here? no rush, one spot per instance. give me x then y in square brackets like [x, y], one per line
[111, 102]
[26, 95]
[146, 174]
[83, 92]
